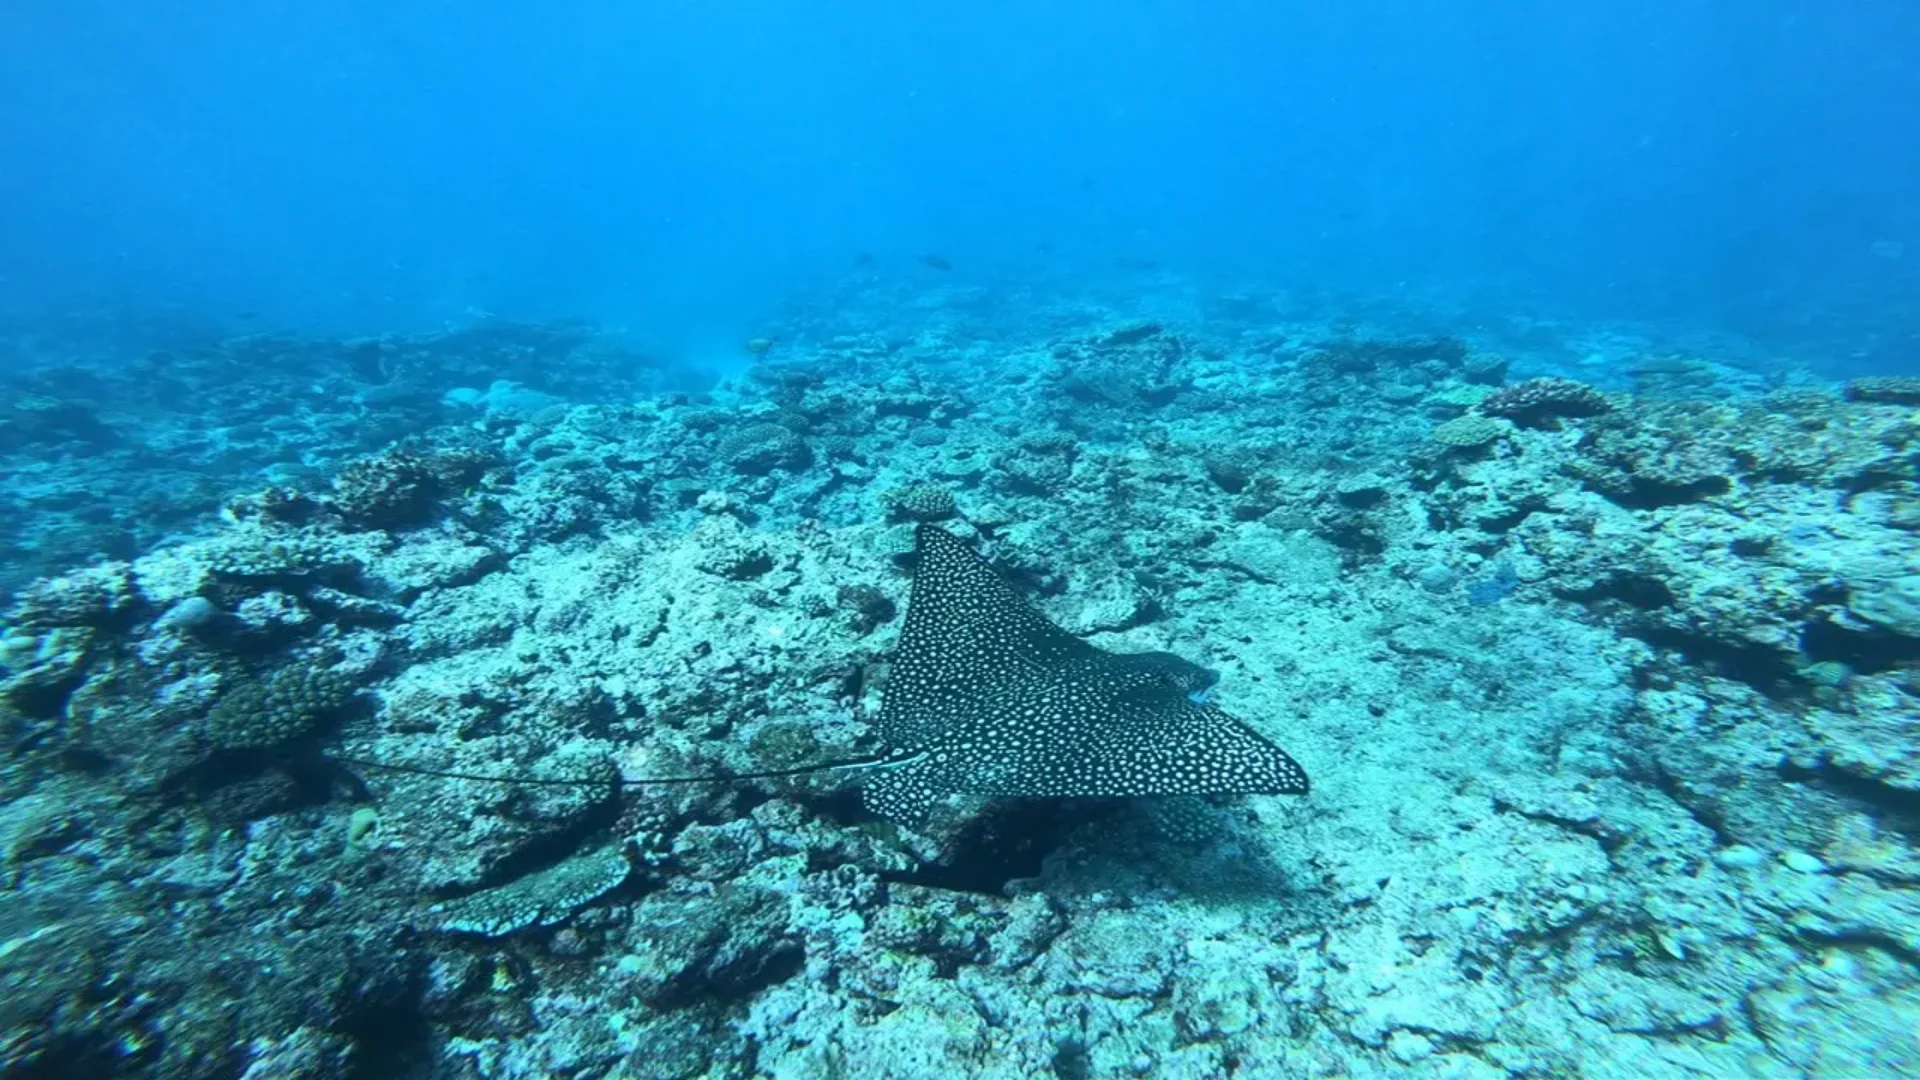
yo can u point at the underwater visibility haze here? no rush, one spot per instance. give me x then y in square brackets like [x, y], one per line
[827, 539]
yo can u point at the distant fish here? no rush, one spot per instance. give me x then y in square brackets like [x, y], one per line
[938, 262]
[863, 260]
[759, 346]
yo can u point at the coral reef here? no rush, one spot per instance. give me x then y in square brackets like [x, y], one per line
[758, 449]
[1891, 389]
[400, 488]
[1468, 433]
[542, 898]
[88, 597]
[1539, 402]
[1610, 701]
[263, 713]
[920, 502]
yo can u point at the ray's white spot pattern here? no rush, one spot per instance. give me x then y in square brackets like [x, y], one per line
[1006, 703]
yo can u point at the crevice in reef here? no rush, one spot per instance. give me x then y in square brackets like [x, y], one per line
[1860, 939]
[1644, 494]
[1866, 652]
[1898, 806]
[1697, 809]
[1011, 840]
[1643, 592]
[1769, 671]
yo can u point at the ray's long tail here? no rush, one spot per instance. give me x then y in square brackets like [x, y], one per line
[622, 781]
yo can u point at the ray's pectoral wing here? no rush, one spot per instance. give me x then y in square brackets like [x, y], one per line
[1145, 748]
[1184, 748]
[904, 794]
[967, 635]
[956, 587]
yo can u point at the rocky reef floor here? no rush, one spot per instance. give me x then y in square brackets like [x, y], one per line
[1608, 679]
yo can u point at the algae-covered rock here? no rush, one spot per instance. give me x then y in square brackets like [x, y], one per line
[1893, 605]
[1471, 432]
[758, 449]
[95, 596]
[542, 898]
[1458, 398]
[1890, 389]
[708, 943]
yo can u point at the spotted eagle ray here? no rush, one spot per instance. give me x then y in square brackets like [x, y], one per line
[986, 697]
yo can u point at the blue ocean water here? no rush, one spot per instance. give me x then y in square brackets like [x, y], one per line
[423, 424]
[362, 167]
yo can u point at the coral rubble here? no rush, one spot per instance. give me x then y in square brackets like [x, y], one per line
[1611, 700]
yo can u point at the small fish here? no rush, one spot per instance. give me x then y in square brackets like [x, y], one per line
[938, 262]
